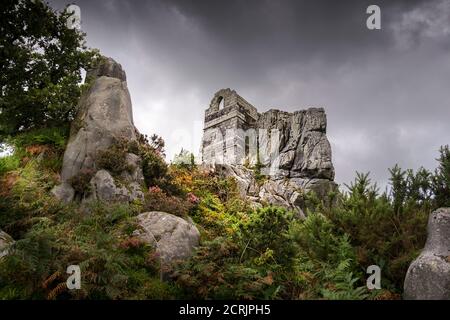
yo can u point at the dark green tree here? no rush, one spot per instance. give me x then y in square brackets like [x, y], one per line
[40, 66]
[399, 188]
[441, 179]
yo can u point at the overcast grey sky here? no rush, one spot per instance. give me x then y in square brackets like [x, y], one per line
[386, 92]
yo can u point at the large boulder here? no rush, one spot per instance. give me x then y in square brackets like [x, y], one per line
[104, 116]
[5, 243]
[428, 277]
[173, 237]
[64, 192]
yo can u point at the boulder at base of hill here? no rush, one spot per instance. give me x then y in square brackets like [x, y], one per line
[174, 237]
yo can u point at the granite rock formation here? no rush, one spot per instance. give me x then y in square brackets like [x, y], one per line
[104, 116]
[173, 237]
[290, 149]
[428, 277]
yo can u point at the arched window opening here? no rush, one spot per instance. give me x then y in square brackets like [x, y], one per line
[221, 103]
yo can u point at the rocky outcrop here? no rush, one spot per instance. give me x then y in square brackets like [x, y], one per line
[104, 187]
[104, 116]
[303, 147]
[428, 277]
[244, 177]
[286, 192]
[290, 149]
[173, 237]
[5, 243]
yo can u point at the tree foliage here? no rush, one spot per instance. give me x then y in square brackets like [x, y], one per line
[40, 66]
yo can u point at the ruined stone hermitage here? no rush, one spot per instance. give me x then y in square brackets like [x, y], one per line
[290, 149]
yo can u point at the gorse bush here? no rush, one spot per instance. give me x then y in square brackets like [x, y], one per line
[154, 168]
[267, 229]
[326, 265]
[441, 179]
[387, 230]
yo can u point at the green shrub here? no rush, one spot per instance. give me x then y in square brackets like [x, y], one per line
[441, 179]
[81, 182]
[154, 168]
[267, 229]
[53, 136]
[216, 272]
[157, 200]
[46, 143]
[9, 163]
[113, 159]
[326, 265]
[365, 217]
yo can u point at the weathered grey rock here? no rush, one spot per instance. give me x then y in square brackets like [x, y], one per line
[64, 192]
[105, 188]
[109, 68]
[282, 193]
[244, 178]
[174, 237]
[136, 175]
[428, 277]
[104, 116]
[5, 243]
[304, 149]
[321, 187]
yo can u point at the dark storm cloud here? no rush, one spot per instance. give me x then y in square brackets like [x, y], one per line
[385, 91]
